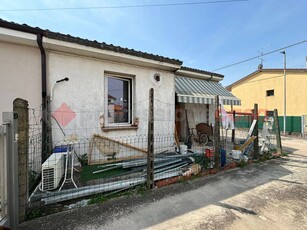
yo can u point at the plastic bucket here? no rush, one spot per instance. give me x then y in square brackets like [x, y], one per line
[183, 149]
[236, 154]
[209, 153]
[60, 149]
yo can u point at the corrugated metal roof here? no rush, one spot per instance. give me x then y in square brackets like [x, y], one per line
[190, 90]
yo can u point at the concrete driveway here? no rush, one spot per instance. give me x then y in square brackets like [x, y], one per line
[271, 195]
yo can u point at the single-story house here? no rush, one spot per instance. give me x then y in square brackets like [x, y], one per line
[90, 88]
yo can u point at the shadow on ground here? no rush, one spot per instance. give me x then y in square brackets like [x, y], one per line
[167, 202]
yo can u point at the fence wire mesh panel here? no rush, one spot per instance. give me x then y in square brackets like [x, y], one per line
[304, 126]
[3, 175]
[267, 135]
[108, 165]
[34, 145]
[79, 168]
[88, 162]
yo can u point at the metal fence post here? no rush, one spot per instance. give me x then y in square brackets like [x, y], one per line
[217, 135]
[3, 179]
[277, 132]
[10, 120]
[302, 126]
[233, 132]
[256, 132]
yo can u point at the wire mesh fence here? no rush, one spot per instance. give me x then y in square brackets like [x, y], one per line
[85, 160]
[34, 144]
[79, 168]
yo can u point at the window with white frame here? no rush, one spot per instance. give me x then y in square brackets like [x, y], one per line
[119, 100]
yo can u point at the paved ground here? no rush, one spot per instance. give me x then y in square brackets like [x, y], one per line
[271, 195]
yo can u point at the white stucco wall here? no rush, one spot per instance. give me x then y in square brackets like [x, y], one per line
[84, 93]
[20, 74]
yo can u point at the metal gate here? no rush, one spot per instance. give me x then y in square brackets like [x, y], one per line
[3, 177]
[304, 126]
[9, 171]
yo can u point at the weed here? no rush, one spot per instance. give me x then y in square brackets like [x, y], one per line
[83, 159]
[285, 154]
[182, 180]
[242, 164]
[33, 213]
[203, 161]
[99, 198]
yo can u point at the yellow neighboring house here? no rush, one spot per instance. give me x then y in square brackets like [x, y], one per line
[266, 88]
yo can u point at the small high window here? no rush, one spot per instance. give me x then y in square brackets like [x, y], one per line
[270, 93]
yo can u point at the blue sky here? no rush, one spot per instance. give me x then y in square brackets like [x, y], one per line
[208, 36]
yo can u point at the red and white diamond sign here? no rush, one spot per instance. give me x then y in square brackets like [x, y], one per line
[64, 114]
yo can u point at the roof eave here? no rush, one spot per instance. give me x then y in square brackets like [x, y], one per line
[193, 74]
[78, 49]
[292, 70]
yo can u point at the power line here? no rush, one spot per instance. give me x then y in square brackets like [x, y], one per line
[261, 55]
[124, 6]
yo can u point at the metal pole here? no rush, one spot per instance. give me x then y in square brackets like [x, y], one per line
[285, 91]
[256, 132]
[303, 126]
[10, 120]
[277, 132]
[3, 179]
[216, 135]
[233, 133]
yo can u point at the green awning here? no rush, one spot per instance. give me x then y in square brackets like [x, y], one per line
[191, 90]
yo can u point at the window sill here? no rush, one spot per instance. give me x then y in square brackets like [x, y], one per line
[114, 128]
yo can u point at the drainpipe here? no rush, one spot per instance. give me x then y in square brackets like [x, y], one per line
[44, 98]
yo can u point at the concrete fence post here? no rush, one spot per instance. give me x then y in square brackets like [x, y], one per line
[20, 106]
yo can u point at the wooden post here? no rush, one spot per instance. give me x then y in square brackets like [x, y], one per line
[150, 155]
[216, 135]
[277, 132]
[256, 141]
[20, 106]
[233, 132]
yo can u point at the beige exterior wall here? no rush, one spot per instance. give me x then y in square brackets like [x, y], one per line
[20, 74]
[253, 90]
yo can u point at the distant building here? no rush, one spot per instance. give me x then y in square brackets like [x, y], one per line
[266, 88]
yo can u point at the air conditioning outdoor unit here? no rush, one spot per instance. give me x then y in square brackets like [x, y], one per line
[52, 171]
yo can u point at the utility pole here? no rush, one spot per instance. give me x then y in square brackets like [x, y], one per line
[285, 91]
